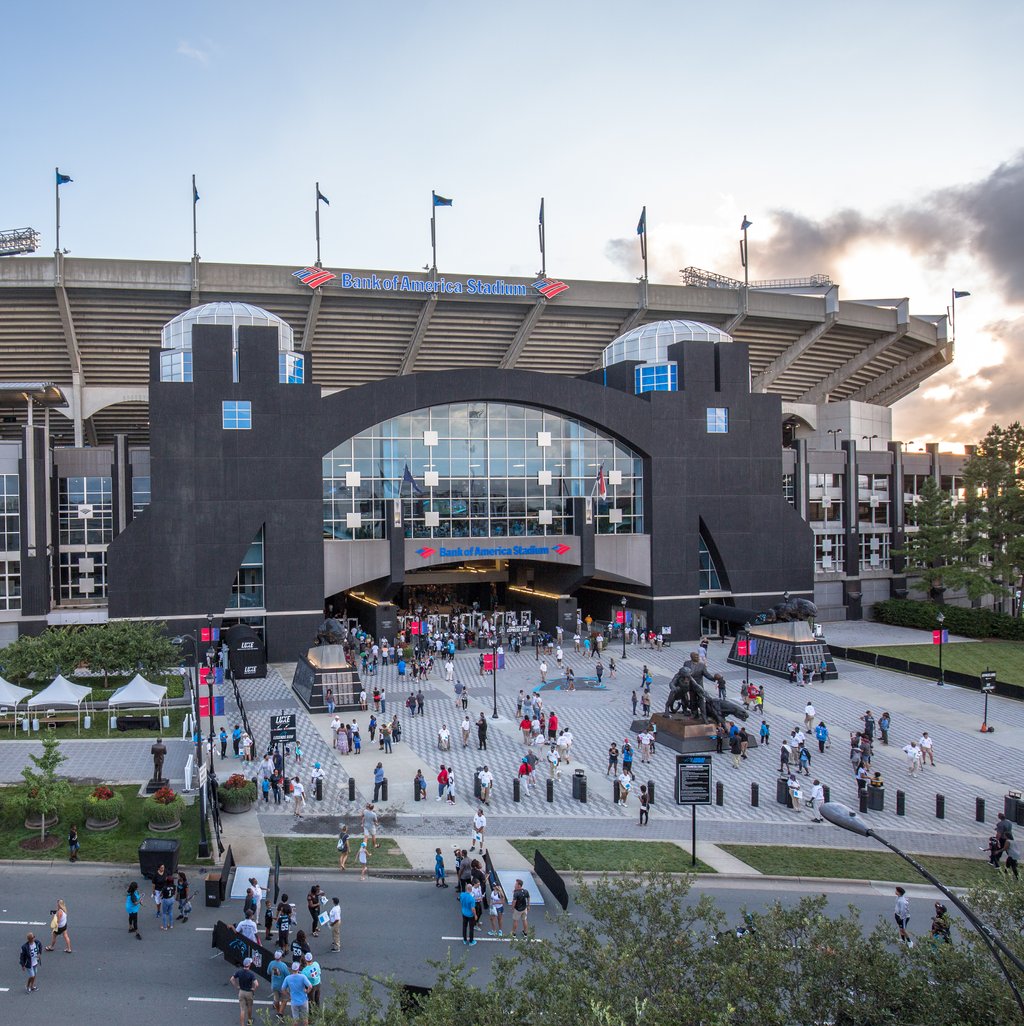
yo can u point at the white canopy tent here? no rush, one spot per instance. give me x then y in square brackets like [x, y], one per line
[60, 692]
[137, 692]
[10, 696]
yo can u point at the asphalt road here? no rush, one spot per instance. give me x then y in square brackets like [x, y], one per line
[389, 927]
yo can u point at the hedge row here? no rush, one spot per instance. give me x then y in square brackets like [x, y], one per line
[969, 623]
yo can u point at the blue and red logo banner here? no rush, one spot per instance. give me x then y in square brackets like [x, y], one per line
[314, 277]
[550, 287]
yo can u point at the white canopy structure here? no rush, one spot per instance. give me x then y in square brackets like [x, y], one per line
[137, 692]
[61, 692]
[10, 696]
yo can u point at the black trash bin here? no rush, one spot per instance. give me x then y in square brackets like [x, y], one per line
[1010, 803]
[876, 799]
[578, 777]
[213, 890]
[155, 852]
[782, 790]
[319, 789]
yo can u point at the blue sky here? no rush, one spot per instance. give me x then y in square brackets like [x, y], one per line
[703, 113]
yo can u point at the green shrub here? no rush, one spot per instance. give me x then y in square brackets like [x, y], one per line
[164, 807]
[103, 804]
[237, 790]
[968, 623]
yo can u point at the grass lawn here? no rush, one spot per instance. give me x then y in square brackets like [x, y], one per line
[858, 865]
[118, 845]
[1005, 657]
[323, 851]
[174, 682]
[100, 726]
[612, 856]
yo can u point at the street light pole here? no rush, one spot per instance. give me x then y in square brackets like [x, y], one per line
[204, 842]
[746, 669]
[940, 620]
[841, 816]
[494, 673]
[622, 602]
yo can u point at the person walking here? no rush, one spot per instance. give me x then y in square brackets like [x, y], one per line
[926, 747]
[901, 914]
[496, 911]
[784, 752]
[808, 716]
[334, 921]
[520, 908]
[132, 904]
[181, 895]
[634, 700]
[821, 735]
[479, 829]
[343, 847]
[31, 953]
[734, 749]
[815, 799]
[297, 987]
[481, 733]
[467, 906]
[313, 903]
[364, 858]
[73, 844]
[311, 970]
[765, 734]
[298, 796]
[277, 970]
[439, 880]
[245, 982]
[59, 926]
[486, 778]
[645, 805]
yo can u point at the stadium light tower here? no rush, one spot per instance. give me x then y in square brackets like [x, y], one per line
[17, 241]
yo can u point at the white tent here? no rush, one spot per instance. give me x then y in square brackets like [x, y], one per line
[10, 696]
[138, 691]
[61, 692]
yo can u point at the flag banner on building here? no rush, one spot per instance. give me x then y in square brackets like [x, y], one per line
[599, 483]
[407, 478]
[321, 198]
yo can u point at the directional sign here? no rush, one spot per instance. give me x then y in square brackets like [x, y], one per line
[282, 729]
[693, 780]
[988, 680]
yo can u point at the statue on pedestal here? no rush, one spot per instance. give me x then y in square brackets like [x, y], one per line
[158, 751]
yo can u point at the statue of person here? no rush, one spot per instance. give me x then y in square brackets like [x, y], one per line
[158, 751]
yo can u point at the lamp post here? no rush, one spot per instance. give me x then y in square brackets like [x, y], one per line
[622, 602]
[494, 673]
[835, 433]
[870, 439]
[204, 842]
[842, 816]
[746, 668]
[940, 636]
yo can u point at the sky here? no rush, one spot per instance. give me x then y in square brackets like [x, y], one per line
[880, 143]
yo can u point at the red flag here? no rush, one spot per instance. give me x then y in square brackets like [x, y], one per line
[602, 490]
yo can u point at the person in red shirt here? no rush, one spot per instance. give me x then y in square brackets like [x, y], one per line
[525, 727]
[442, 782]
[526, 773]
[552, 726]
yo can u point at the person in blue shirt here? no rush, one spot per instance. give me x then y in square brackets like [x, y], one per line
[311, 970]
[297, 988]
[821, 733]
[439, 880]
[278, 970]
[765, 732]
[223, 743]
[236, 740]
[468, 905]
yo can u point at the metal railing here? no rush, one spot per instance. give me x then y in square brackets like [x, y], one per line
[711, 280]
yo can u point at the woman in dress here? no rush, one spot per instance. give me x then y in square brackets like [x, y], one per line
[343, 742]
[132, 904]
[59, 927]
[343, 844]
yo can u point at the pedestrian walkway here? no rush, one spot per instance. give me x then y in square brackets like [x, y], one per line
[103, 760]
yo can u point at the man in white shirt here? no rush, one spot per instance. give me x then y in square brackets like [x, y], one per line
[815, 796]
[645, 739]
[257, 896]
[479, 826]
[554, 763]
[247, 928]
[449, 671]
[799, 737]
[334, 921]
[809, 715]
[563, 746]
[486, 783]
[925, 746]
[913, 755]
[543, 671]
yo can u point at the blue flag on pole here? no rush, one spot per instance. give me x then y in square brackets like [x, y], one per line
[641, 225]
[959, 295]
[195, 194]
[407, 478]
[441, 201]
[542, 212]
[63, 179]
[321, 198]
[745, 224]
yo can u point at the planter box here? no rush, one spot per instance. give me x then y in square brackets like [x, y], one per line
[235, 808]
[101, 824]
[164, 828]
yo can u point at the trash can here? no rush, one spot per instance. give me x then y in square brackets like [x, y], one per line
[876, 799]
[155, 852]
[650, 792]
[782, 791]
[1010, 806]
[213, 889]
[319, 789]
[583, 791]
[415, 790]
[578, 777]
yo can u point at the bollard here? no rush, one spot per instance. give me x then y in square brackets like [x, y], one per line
[979, 810]
[650, 792]
[583, 791]
[755, 794]
[826, 792]
[319, 789]
[351, 789]
[862, 799]
[940, 806]
[615, 791]
[551, 790]
[384, 790]
[901, 803]
[515, 789]
[719, 793]
[415, 791]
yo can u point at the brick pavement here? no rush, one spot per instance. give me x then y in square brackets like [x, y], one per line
[113, 760]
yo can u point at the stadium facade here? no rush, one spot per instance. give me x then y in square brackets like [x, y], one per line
[180, 439]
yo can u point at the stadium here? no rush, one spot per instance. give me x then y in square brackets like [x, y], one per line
[85, 351]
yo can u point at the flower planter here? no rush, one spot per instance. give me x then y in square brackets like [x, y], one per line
[101, 824]
[235, 808]
[36, 822]
[164, 828]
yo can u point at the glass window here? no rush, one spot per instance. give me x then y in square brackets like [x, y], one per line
[85, 511]
[176, 365]
[709, 579]
[789, 488]
[656, 377]
[140, 494]
[829, 553]
[10, 514]
[874, 551]
[247, 590]
[10, 584]
[718, 420]
[237, 416]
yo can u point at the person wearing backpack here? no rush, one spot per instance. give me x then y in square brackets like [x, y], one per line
[520, 908]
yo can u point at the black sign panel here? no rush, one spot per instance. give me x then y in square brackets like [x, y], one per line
[988, 680]
[282, 729]
[237, 947]
[693, 780]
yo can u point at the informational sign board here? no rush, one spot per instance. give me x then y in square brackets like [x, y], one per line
[282, 729]
[693, 780]
[988, 680]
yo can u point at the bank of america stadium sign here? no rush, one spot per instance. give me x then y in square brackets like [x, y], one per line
[315, 277]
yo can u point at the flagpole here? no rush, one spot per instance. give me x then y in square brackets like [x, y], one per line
[540, 231]
[746, 265]
[316, 203]
[195, 242]
[643, 242]
[56, 197]
[433, 234]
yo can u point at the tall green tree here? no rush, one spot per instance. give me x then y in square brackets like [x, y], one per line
[994, 480]
[44, 792]
[935, 550]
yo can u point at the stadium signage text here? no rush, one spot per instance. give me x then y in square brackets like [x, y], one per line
[487, 552]
[404, 283]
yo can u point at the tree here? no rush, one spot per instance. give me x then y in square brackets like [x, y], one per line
[935, 550]
[994, 480]
[44, 793]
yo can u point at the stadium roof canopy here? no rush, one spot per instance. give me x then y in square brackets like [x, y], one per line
[89, 325]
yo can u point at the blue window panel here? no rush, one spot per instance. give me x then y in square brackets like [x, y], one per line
[656, 377]
[718, 420]
[291, 368]
[236, 416]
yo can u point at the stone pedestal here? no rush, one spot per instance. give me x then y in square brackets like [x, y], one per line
[684, 734]
[156, 783]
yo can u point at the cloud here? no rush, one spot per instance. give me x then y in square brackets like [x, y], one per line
[186, 49]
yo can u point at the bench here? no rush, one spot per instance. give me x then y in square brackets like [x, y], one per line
[138, 723]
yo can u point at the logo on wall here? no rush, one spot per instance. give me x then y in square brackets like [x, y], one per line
[314, 277]
[549, 287]
[561, 549]
[425, 553]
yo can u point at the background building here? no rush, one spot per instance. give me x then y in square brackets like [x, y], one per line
[92, 351]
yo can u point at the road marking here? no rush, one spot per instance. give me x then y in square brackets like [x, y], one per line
[204, 929]
[495, 940]
[20, 922]
[226, 1001]
[4, 990]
